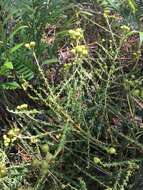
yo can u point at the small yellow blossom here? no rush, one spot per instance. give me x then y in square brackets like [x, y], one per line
[81, 50]
[125, 28]
[3, 170]
[22, 107]
[76, 34]
[34, 139]
[11, 136]
[27, 45]
[7, 140]
[106, 13]
[32, 44]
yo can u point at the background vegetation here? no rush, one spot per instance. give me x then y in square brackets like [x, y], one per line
[71, 95]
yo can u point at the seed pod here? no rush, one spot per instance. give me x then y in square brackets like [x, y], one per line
[45, 148]
[111, 150]
[36, 163]
[136, 92]
[96, 160]
[44, 166]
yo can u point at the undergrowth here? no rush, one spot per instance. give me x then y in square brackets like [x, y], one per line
[71, 90]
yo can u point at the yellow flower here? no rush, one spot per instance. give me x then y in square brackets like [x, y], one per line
[106, 13]
[67, 66]
[13, 132]
[32, 44]
[7, 140]
[81, 50]
[27, 45]
[22, 107]
[11, 136]
[6, 144]
[76, 34]
[4, 137]
[3, 170]
[126, 28]
[34, 139]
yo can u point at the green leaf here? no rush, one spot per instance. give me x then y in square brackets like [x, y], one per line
[50, 61]
[8, 65]
[132, 5]
[86, 13]
[15, 48]
[141, 39]
[16, 31]
[9, 85]
[24, 69]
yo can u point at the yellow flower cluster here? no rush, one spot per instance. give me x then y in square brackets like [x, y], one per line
[30, 45]
[11, 136]
[106, 13]
[125, 28]
[76, 34]
[22, 107]
[3, 170]
[34, 139]
[80, 50]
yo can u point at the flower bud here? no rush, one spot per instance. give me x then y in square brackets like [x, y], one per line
[111, 150]
[27, 46]
[32, 44]
[96, 160]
